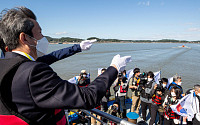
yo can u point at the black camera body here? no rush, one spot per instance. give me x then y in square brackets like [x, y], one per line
[120, 75]
[170, 102]
[159, 86]
[114, 108]
[121, 78]
[143, 80]
[83, 74]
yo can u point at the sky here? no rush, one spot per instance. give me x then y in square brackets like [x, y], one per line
[115, 19]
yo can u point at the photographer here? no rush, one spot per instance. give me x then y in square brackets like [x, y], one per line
[133, 85]
[158, 95]
[115, 111]
[146, 85]
[170, 117]
[121, 89]
[83, 79]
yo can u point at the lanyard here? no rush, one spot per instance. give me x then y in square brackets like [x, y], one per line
[25, 54]
[28, 56]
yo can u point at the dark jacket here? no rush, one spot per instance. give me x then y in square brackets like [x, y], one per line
[37, 90]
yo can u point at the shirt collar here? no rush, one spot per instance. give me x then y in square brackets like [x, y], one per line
[25, 54]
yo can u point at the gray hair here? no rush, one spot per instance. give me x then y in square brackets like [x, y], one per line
[196, 87]
[176, 77]
[12, 23]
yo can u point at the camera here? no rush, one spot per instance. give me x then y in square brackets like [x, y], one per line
[170, 102]
[121, 78]
[114, 108]
[143, 78]
[83, 75]
[120, 75]
[159, 86]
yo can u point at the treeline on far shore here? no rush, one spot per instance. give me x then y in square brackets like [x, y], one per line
[77, 40]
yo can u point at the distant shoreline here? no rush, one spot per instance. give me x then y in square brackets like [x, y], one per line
[127, 42]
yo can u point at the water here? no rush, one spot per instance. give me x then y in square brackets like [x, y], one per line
[166, 57]
[147, 56]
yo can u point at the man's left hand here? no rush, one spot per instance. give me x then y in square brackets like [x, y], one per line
[86, 44]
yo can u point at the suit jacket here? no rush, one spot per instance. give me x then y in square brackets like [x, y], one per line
[37, 90]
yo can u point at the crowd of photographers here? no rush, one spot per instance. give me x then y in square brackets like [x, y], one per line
[147, 93]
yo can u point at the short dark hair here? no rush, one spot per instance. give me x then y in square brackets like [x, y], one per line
[164, 80]
[178, 92]
[104, 69]
[124, 71]
[150, 73]
[14, 22]
[136, 70]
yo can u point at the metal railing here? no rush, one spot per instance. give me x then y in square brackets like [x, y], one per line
[105, 115]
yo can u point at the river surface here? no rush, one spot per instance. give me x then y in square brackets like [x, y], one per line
[170, 58]
[167, 57]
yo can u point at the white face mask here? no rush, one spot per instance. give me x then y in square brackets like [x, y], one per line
[179, 83]
[84, 76]
[164, 85]
[42, 46]
[173, 94]
[149, 79]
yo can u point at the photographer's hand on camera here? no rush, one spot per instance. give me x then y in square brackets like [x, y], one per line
[79, 78]
[114, 108]
[155, 86]
[135, 87]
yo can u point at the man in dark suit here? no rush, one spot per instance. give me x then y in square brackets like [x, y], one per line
[37, 91]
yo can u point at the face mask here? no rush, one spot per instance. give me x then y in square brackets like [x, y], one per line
[164, 85]
[84, 75]
[149, 79]
[179, 83]
[173, 94]
[42, 46]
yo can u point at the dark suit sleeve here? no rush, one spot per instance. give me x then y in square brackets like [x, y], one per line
[49, 91]
[59, 54]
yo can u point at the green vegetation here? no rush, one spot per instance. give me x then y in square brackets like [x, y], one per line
[77, 40]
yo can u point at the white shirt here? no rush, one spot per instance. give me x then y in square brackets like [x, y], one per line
[24, 54]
